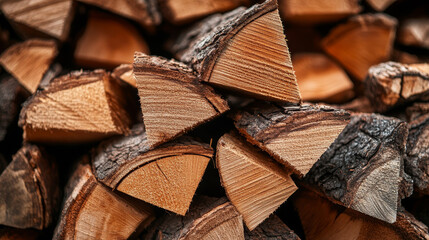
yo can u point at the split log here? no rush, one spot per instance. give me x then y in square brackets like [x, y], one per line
[316, 12]
[108, 41]
[28, 61]
[93, 211]
[38, 18]
[415, 32]
[391, 84]
[8, 233]
[273, 228]
[361, 170]
[321, 79]
[167, 176]
[380, 5]
[296, 136]
[254, 183]
[183, 11]
[361, 42]
[173, 101]
[208, 218]
[124, 72]
[76, 108]
[29, 190]
[244, 42]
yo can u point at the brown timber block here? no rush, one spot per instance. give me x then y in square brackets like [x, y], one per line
[414, 32]
[124, 72]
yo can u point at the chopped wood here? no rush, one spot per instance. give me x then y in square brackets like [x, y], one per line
[49, 17]
[93, 211]
[29, 190]
[254, 183]
[108, 41]
[391, 84]
[358, 105]
[321, 79]
[76, 108]
[316, 12]
[173, 101]
[272, 228]
[28, 61]
[361, 170]
[380, 5]
[124, 72]
[244, 42]
[405, 57]
[417, 110]
[167, 176]
[296, 136]
[361, 42]
[8, 233]
[208, 218]
[415, 32]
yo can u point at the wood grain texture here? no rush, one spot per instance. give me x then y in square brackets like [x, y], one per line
[224, 47]
[124, 72]
[391, 84]
[380, 5]
[28, 61]
[296, 136]
[254, 183]
[362, 169]
[361, 42]
[415, 32]
[173, 101]
[273, 229]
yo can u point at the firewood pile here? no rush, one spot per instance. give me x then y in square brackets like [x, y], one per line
[223, 119]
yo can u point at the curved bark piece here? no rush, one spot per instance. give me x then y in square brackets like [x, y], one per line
[93, 211]
[254, 183]
[415, 32]
[173, 101]
[296, 136]
[76, 108]
[362, 168]
[28, 61]
[361, 42]
[124, 72]
[29, 190]
[208, 218]
[273, 228]
[167, 176]
[390, 84]
[244, 42]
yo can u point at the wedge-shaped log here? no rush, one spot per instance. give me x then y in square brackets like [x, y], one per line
[29, 190]
[415, 32]
[124, 72]
[166, 177]
[254, 183]
[243, 50]
[208, 218]
[361, 42]
[173, 101]
[49, 17]
[272, 228]
[76, 108]
[362, 168]
[28, 61]
[295, 136]
[380, 5]
[390, 84]
[93, 211]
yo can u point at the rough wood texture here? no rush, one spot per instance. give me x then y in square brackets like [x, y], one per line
[76, 108]
[250, 42]
[173, 101]
[93, 211]
[273, 229]
[29, 190]
[380, 5]
[415, 32]
[108, 41]
[254, 183]
[316, 12]
[28, 61]
[361, 170]
[51, 17]
[391, 84]
[124, 72]
[295, 136]
[361, 42]
[321, 79]
[417, 110]
[208, 218]
[166, 176]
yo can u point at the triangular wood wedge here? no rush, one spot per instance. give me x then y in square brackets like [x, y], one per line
[29, 190]
[124, 72]
[361, 170]
[361, 42]
[243, 50]
[93, 211]
[380, 5]
[173, 101]
[28, 61]
[296, 136]
[167, 176]
[254, 183]
[76, 108]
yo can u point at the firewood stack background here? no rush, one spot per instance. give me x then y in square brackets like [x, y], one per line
[223, 119]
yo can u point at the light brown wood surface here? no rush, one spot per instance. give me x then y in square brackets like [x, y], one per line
[124, 72]
[415, 32]
[380, 5]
